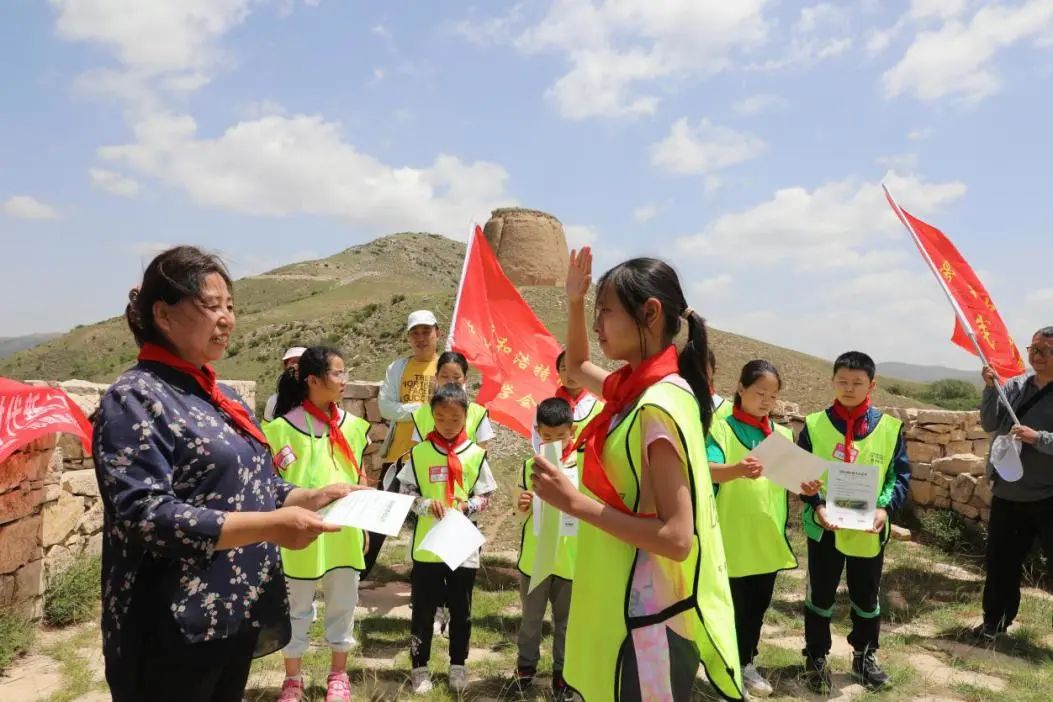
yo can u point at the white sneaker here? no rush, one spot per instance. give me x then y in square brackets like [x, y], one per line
[755, 683]
[420, 681]
[458, 678]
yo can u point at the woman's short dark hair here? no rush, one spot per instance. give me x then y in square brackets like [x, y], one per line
[172, 276]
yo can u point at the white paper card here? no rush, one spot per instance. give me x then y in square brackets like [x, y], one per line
[454, 539]
[1005, 457]
[372, 510]
[851, 496]
[786, 464]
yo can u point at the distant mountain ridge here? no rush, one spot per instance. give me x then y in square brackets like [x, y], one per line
[927, 374]
[10, 345]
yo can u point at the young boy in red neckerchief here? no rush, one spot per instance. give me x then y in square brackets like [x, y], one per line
[852, 431]
[584, 405]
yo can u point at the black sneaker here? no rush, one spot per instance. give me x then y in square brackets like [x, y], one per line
[560, 690]
[522, 679]
[817, 674]
[868, 672]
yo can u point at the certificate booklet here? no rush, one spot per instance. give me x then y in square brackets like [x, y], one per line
[851, 495]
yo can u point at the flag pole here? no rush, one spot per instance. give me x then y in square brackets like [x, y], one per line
[958, 311]
[460, 288]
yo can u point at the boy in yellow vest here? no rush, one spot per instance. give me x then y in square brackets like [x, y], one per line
[445, 471]
[407, 386]
[555, 422]
[852, 431]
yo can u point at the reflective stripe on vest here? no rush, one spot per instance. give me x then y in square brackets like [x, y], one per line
[876, 450]
[568, 545]
[429, 469]
[308, 461]
[752, 513]
[424, 421]
[693, 593]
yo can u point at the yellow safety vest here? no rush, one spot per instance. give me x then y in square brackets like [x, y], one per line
[429, 470]
[424, 421]
[876, 450]
[568, 545]
[752, 513]
[307, 460]
[695, 600]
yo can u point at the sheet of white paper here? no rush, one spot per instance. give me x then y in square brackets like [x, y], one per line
[453, 539]
[568, 525]
[786, 463]
[851, 495]
[547, 524]
[373, 510]
[1005, 457]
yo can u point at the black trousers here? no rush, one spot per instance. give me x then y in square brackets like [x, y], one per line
[164, 667]
[376, 541]
[825, 565]
[1010, 535]
[752, 597]
[431, 585]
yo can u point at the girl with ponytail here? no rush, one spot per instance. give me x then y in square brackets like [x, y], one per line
[651, 597]
[315, 442]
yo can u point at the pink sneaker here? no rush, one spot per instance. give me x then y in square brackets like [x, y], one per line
[292, 690]
[338, 688]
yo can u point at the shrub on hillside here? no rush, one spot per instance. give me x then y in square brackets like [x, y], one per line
[72, 595]
[16, 635]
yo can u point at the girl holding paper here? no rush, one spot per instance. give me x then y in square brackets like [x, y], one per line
[314, 443]
[651, 597]
[446, 471]
[752, 510]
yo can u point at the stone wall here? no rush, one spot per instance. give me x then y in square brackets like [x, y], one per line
[50, 508]
[360, 399]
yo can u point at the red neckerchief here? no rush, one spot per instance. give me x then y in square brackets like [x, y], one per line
[762, 423]
[454, 469]
[573, 400]
[852, 417]
[621, 389]
[337, 440]
[206, 378]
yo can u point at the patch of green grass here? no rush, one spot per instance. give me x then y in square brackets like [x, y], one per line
[72, 595]
[76, 675]
[16, 636]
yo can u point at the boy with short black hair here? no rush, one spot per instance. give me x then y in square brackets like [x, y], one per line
[555, 422]
[584, 406]
[852, 431]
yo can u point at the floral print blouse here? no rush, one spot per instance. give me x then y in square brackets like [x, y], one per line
[170, 466]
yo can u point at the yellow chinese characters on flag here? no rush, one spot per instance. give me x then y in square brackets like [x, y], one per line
[962, 283]
[503, 339]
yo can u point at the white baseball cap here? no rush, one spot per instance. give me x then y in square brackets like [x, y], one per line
[421, 318]
[294, 352]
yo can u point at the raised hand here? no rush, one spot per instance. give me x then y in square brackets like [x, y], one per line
[579, 274]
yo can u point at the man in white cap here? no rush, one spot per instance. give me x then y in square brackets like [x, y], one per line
[291, 359]
[407, 385]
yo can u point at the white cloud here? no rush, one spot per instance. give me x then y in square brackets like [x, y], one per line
[703, 149]
[276, 166]
[113, 183]
[27, 207]
[758, 104]
[841, 242]
[919, 134]
[380, 31]
[707, 290]
[936, 9]
[956, 59]
[614, 46]
[646, 212]
[579, 235]
[840, 225]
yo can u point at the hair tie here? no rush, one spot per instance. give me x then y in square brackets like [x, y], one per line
[133, 294]
[686, 314]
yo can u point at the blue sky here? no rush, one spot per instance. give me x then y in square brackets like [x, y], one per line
[743, 141]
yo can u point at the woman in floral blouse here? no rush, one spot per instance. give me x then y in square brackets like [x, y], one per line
[194, 513]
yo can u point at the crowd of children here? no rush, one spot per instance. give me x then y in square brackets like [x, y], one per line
[679, 536]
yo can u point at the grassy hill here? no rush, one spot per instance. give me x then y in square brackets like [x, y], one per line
[10, 345]
[358, 300]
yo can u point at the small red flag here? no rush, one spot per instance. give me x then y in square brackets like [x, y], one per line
[500, 335]
[29, 412]
[974, 305]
